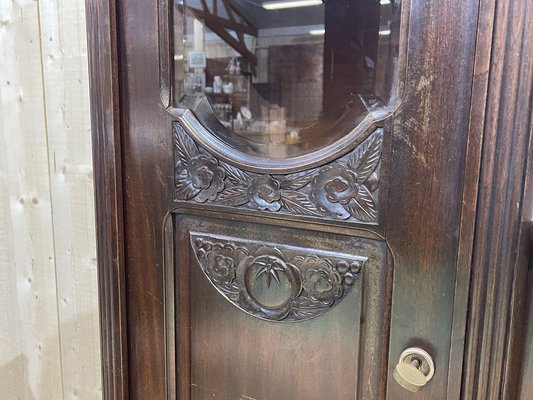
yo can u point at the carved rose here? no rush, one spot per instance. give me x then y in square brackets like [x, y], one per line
[221, 269]
[334, 187]
[219, 262]
[322, 282]
[206, 176]
[323, 285]
[264, 193]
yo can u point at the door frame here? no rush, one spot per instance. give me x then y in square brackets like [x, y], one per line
[500, 151]
[102, 50]
[495, 232]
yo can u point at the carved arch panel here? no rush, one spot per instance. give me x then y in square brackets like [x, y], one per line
[276, 282]
[346, 188]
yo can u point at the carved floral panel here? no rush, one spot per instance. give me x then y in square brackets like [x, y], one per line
[344, 189]
[276, 282]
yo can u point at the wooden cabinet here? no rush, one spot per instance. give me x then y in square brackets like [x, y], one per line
[304, 268]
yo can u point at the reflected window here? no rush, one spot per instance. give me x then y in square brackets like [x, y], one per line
[287, 71]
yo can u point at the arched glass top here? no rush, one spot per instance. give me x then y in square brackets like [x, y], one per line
[284, 78]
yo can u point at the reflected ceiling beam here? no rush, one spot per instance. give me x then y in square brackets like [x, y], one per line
[229, 11]
[223, 23]
[220, 25]
[243, 17]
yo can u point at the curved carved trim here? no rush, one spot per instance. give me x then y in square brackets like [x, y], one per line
[345, 189]
[303, 283]
[199, 122]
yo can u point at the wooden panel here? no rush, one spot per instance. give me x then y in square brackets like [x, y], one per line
[23, 132]
[50, 339]
[64, 69]
[304, 349]
[12, 360]
[302, 194]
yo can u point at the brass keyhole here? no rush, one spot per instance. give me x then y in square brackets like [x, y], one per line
[415, 369]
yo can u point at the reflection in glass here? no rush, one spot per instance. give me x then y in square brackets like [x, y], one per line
[280, 73]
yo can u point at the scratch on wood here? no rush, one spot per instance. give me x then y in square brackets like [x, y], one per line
[423, 83]
[204, 388]
[154, 297]
[417, 154]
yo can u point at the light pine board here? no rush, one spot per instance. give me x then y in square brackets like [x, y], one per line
[49, 333]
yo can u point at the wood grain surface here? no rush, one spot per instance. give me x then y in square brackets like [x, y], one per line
[454, 163]
[49, 330]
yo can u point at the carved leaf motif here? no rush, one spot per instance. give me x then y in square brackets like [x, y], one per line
[365, 158]
[184, 188]
[305, 307]
[298, 180]
[363, 206]
[231, 290]
[297, 203]
[185, 146]
[292, 193]
[234, 196]
[306, 303]
[237, 176]
[303, 313]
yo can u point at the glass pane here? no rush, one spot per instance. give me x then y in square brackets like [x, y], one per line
[287, 76]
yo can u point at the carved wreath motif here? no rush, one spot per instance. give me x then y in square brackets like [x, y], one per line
[345, 189]
[274, 282]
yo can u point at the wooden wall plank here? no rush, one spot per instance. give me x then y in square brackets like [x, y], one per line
[23, 132]
[65, 74]
[12, 373]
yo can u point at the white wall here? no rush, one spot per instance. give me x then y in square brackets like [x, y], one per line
[49, 334]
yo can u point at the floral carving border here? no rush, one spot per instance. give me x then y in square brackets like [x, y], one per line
[295, 284]
[344, 189]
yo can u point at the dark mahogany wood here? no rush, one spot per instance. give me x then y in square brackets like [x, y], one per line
[454, 210]
[223, 349]
[524, 327]
[106, 137]
[502, 239]
[525, 389]
[425, 203]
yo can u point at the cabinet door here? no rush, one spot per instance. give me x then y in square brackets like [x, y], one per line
[292, 194]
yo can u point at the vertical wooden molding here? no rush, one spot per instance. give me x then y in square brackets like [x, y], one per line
[498, 264]
[166, 52]
[470, 193]
[104, 84]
